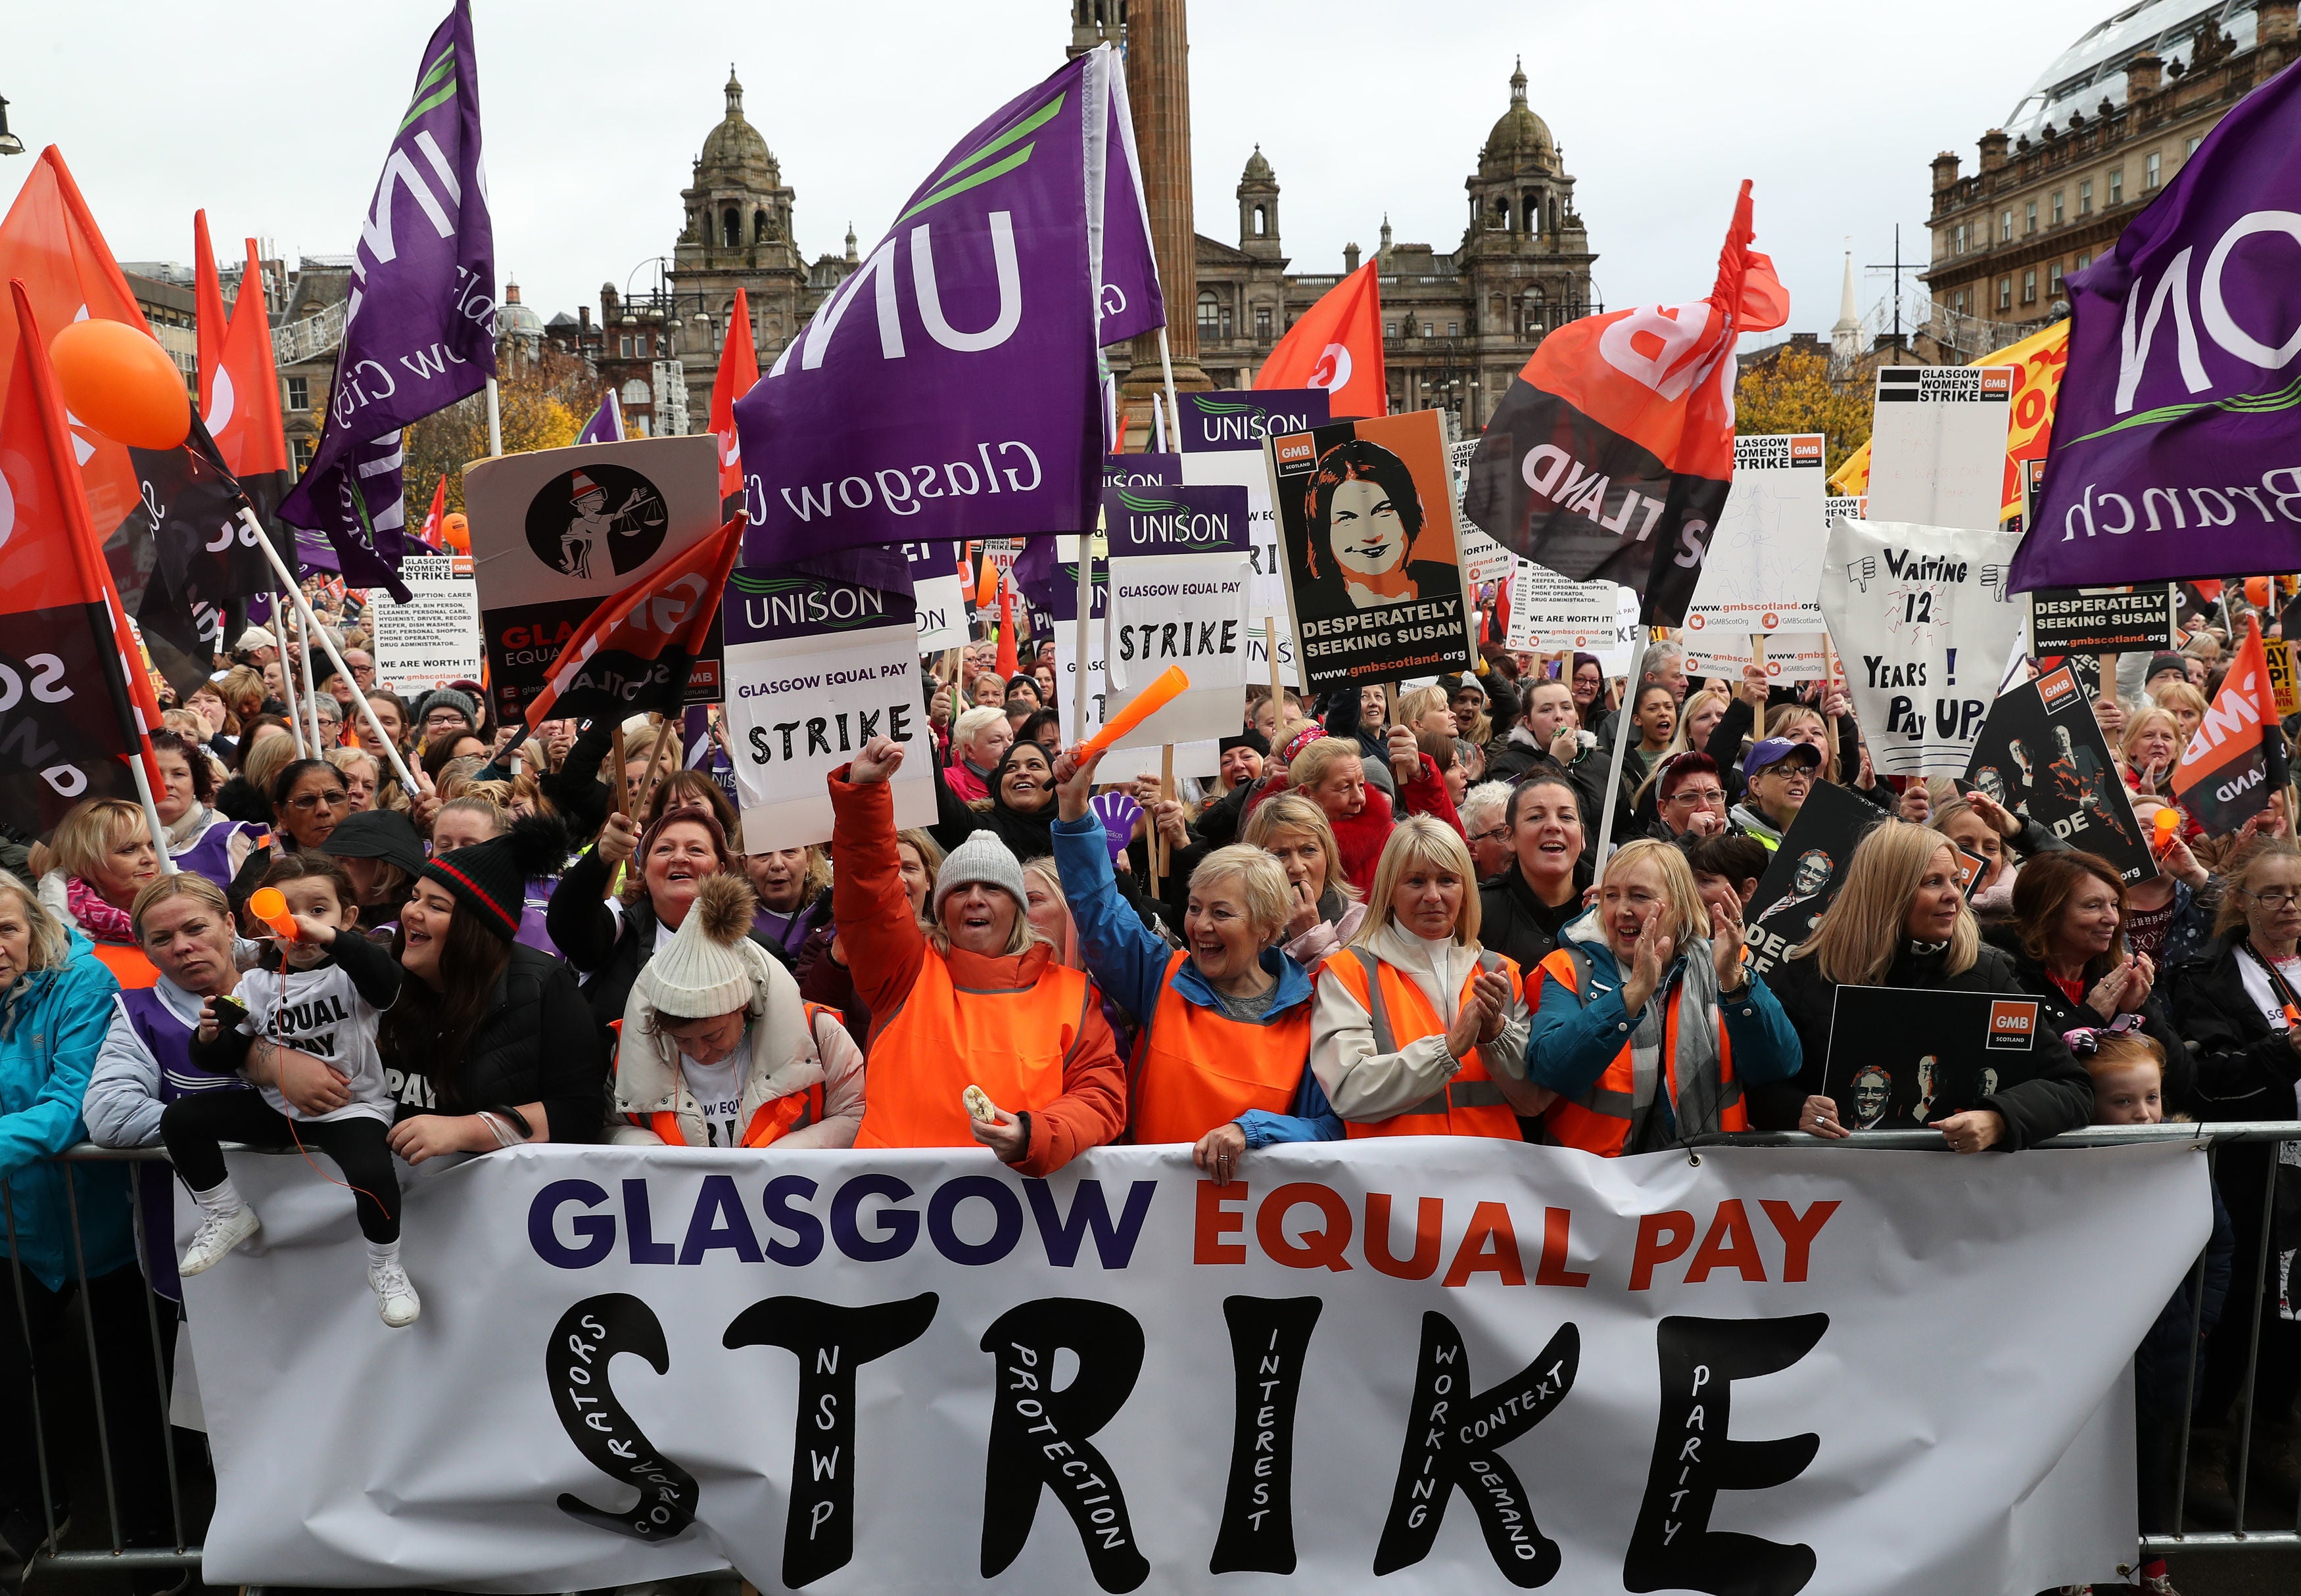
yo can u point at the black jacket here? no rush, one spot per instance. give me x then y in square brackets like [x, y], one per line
[238, 799]
[2058, 1097]
[2062, 1015]
[537, 1044]
[613, 948]
[1517, 925]
[2244, 1069]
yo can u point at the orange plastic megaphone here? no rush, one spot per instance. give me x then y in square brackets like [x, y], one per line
[270, 904]
[1155, 698]
[2167, 822]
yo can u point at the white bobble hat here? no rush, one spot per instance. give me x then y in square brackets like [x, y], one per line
[704, 973]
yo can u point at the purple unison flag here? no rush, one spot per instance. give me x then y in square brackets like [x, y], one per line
[1130, 302]
[2180, 411]
[419, 330]
[606, 423]
[948, 388]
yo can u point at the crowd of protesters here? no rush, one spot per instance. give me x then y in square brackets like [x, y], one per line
[1383, 916]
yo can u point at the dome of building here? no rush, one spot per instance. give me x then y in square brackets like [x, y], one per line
[735, 144]
[514, 320]
[2093, 69]
[1258, 169]
[1520, 139]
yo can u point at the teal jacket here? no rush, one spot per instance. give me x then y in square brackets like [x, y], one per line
[51, 1024]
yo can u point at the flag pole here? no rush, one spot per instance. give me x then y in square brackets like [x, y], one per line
[1614, 766]
[280, 614]
[1085, 636]
[1166, 366]
[494, 421]
[311, 693]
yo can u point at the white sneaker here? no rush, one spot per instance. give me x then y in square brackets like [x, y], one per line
[218, 1235]
[394, 1293]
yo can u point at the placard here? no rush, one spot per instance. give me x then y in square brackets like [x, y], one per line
[817, 668]
[434, 638]
[1222, 437]
[1366, 516]
[1805, 871]
[1903, 1057]
[1937, 445]
[1548, 611]
[1924, 623]
[938, 595]
[2041, 751]
[2102, 619]
[1763, 569]
[556, 531]
[1790, 655]
[1179, 571]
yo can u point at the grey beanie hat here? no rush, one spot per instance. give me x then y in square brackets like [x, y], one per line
[984, 858]
[449, 697]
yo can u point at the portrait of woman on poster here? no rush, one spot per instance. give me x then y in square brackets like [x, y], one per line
[1365, 525]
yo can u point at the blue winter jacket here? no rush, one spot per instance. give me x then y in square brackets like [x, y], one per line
[1129, 962]
[51, 1024]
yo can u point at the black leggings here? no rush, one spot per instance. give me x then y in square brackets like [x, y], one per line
[194, 1126]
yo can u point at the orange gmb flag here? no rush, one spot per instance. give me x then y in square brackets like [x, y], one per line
[2236, 759]
[1610, 456]
[1336, 345]
[241, 406]
[84, 701]
[435, 521]
[738, 373]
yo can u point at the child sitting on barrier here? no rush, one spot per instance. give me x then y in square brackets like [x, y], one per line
[320, 992]
[2128, 1072]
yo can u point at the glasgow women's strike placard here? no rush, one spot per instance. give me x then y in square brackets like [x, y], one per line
[434, 638]
[1763, 576]
[1366, 517]
[1357, 1367]
[554, 531]
[816, 669]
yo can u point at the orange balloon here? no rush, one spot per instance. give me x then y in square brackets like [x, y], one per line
[121, 383]
[456, 529]
[2256, 591]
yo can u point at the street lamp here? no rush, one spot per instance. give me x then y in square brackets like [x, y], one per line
[10, 145]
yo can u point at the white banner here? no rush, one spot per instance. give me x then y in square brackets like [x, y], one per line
[434, 638]
[1440, 1368]
[815, 670]
[1924, 619]
[1763, 569]
[1937, 445]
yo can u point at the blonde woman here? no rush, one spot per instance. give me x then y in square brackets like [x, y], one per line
[1416, 1029]
[1324, 909]
[103, 856]
[2150, 748]
[1902, 920]
[1649, 1027]
[2185, 703]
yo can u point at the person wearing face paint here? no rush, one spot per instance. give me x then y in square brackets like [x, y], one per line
[1419, 1029]
[1650, 1028]
[717, 1048]
[1901, 920]
[967, 996]
[1221, 1057]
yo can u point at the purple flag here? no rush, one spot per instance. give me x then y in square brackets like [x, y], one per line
[2180, 411]
[606, 423]
[1130, 302]
[419, 330]
[948, 388]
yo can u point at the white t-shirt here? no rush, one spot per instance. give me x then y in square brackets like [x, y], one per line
[321, 1012]
[718, 1089]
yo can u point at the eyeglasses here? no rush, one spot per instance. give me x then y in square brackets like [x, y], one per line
[313, 800]
[1707, 795]
[1494, 834]
[2276, 897]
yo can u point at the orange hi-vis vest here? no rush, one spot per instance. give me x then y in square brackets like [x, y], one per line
[1195, 1067]
[1014, 1042]
[1599, 1122]
[132, 968]
[771, 1121]
[1471, 1104]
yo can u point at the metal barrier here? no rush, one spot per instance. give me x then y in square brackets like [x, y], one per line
[2207, 1139]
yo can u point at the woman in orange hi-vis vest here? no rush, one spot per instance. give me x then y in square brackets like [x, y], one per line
[1222, 1060]
[718, 1050]
[1647, 1024]
[970, 997]
[1416, 1029]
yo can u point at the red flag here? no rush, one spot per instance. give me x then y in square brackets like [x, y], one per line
[435, 522]
[208, 321]
[83, 702]
[638, 649]
[1336, 345]
[738, 373]
[243, 415]
[1005, 663]
[2236, 759]
[1611, 454]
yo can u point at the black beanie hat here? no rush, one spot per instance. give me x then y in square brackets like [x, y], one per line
[2161, 663]
[1245, 740]
[491, 878]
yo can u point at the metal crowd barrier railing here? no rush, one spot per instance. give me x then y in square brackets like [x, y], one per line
[2208, 1138]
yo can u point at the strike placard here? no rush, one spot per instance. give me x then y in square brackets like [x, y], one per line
[1763, 571]
[816, 669]
[1937, 445]
[1222, 437]
[1925, 621]
[1366, 518]
[434, 638]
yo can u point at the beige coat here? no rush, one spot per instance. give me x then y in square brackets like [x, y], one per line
[1365, 1085]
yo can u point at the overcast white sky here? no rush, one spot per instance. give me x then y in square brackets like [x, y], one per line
[274, 115]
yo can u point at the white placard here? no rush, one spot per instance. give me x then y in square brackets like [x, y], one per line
[434, 638]
[1937, 445]
[1548, 611]
[862, 1371]
[1267, 592]
[1179, 610]
[1763, 569]
[1133, 757]
[1790, 655]
[1923, 620]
